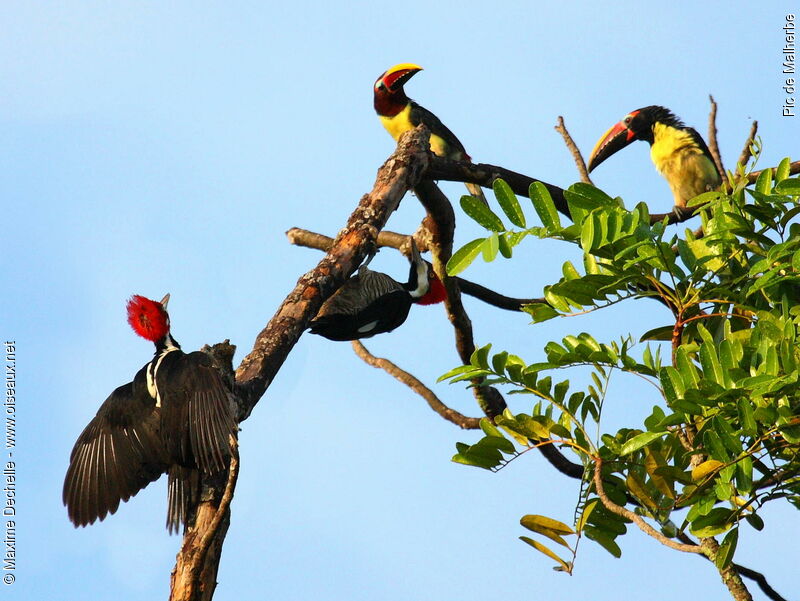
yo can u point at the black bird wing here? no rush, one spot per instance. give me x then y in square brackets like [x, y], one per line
[367, 304]
[196, 417]
[698, 139]
[419, 114]
[117, 454]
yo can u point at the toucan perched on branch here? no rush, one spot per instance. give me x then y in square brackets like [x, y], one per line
[173, 417]
[399, 114]
[371, 302]
[678, 151]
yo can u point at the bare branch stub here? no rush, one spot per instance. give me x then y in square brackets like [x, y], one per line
[451, 415]
[574, 151]
[713, 146]
[747, 152]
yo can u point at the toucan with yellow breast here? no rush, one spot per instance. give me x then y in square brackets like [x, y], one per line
[399, 114]
[678, 151]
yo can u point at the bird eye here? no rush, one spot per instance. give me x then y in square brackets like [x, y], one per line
[627, 120]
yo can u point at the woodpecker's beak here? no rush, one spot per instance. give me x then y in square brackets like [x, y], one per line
[396, 77]
[164, 301]
[615, 139]
[416, 258]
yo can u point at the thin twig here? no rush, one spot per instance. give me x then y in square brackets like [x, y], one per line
[747, 151]
[573, 148]
[451, 415]
[636, 519]
[712, 137]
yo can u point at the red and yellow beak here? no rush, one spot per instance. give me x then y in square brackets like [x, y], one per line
[397, 76]
[616, 138]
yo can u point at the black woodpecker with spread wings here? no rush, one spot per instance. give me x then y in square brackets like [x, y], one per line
[174, 417]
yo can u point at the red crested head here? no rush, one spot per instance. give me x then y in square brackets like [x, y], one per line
[148, 318]
[436, 292]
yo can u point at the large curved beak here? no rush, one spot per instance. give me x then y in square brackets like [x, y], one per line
[616, 138]
[396, 77]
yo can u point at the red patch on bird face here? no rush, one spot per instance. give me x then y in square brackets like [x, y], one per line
[436, 293]
[147, 318]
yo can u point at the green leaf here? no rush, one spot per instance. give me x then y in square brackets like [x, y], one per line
[603, 540]
[727, 549]
[783, 170]
[541, 312]
[483, 215]
[755, 521]
[490, 247]
[790, 187]
[489, 428]
[499, 362]
[508, 202]
[542, 549]
[700, 472]
[764, 181]
[540, 523]
[638, 441]
[544, 206]
[480, 357]
[713, 523]
[465, 255]
[660, 333]
[504, 245]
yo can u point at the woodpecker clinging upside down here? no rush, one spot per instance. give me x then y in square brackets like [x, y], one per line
[174, 417]
[399, 114]
[371, 302]
[678, 152]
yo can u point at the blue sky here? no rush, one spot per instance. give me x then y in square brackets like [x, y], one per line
[148, 149]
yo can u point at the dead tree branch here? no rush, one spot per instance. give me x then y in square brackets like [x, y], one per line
[574, 151]
[401, 172]
[197, 563]
[451, 415]
[633, 517]
[713, 146]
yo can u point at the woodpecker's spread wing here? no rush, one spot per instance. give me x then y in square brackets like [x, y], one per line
[369, 303]
[117, 454]
[196, 421]
[183, 490]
